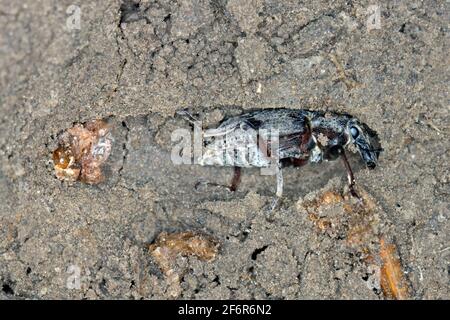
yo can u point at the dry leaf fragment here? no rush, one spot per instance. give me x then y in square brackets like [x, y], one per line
[81, 152]
[168, 246]
[393, 282]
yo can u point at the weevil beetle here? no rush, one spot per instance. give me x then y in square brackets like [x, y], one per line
[302, 136]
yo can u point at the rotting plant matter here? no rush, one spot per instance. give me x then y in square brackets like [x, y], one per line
[359, 223]
[168, 247]
[81, 152]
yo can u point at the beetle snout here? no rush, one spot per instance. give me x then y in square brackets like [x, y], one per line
[371, 165]
[369, 156]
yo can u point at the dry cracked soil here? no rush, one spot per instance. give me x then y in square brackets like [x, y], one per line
[136, 63]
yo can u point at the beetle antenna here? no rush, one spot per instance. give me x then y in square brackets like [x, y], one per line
[373, 149]
[188, 117]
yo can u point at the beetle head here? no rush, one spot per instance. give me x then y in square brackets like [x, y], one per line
[366, 141]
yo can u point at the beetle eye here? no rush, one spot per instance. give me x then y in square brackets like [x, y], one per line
[354, 132]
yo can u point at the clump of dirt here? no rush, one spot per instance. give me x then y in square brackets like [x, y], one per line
[81, 152]
[168, 247]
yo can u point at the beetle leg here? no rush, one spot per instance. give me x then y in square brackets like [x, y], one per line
[232, 187]
[236, 179]
[263, 147]
[350, 176]
[189, 117]
[279, 182]
[278, 198]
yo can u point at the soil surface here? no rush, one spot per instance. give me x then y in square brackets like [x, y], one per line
[136, 63]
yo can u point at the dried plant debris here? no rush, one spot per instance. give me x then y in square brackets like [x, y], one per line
[342, 216]
[187, 243]
[393, 281]
[359, 223]
[81, 152]
[168, 247]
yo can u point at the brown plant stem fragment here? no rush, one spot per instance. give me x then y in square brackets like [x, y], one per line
[81, 152]
[393, 282]
[168, 247]
[342, 74]
[188, 243]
